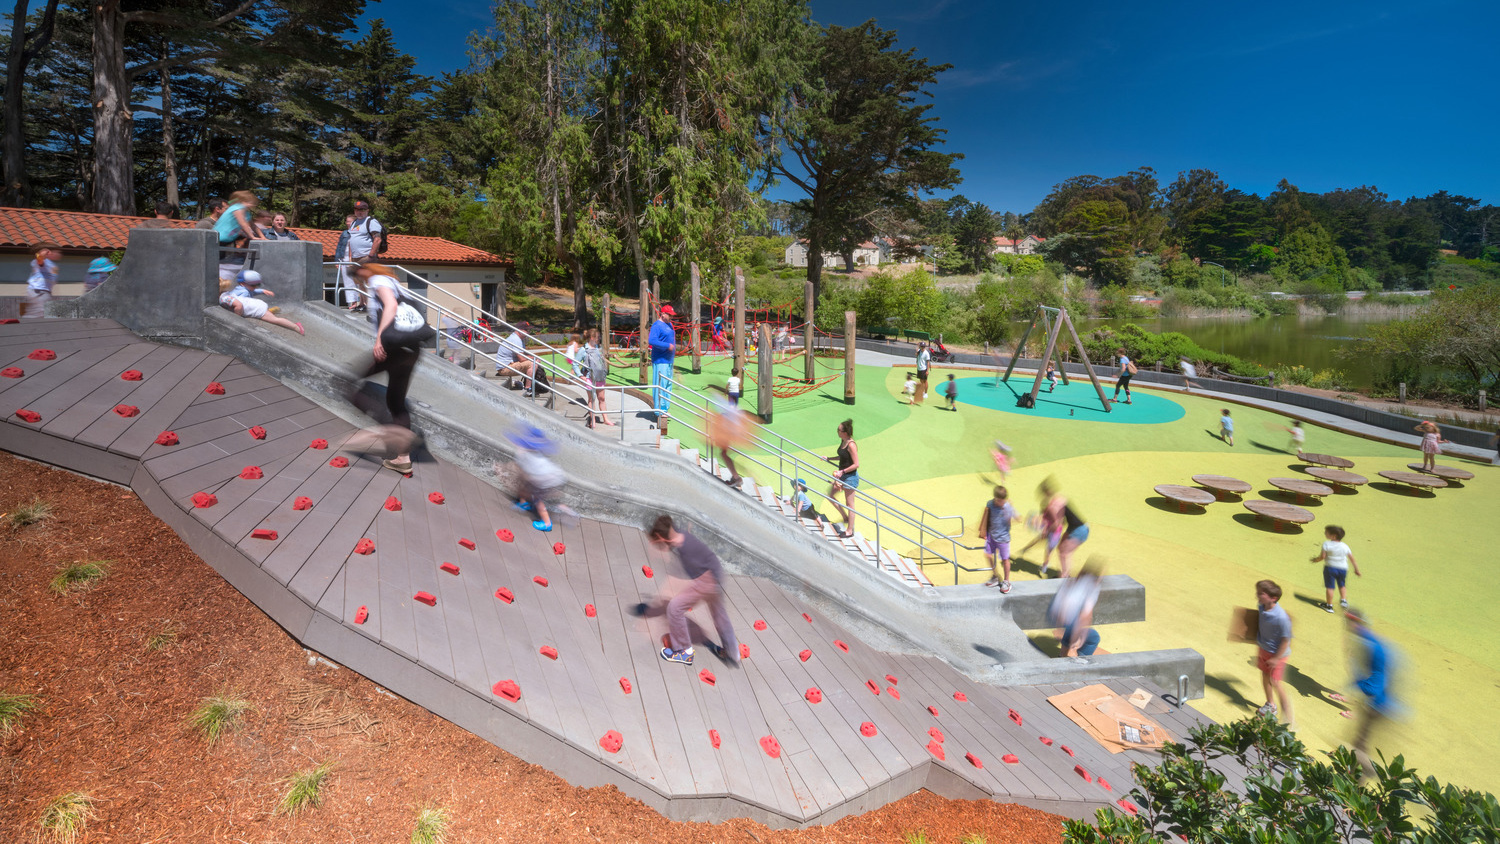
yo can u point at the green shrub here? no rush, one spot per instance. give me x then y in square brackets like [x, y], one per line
[432, 826]
[29, 514]
[304, 789]
[1167, 348]
[82, 576]
[65, 817]
[219, 715]
[1321, 379]
[14, 707]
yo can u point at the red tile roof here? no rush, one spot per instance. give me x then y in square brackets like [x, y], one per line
[75, 231]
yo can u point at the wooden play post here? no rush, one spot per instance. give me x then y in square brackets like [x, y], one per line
[644, 375]
[808, 304]
[739, 320]
[848, 357]
[764, 361]
[604, 327]
[697, 306]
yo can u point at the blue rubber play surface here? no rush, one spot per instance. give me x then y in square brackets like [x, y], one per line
[1077, 400]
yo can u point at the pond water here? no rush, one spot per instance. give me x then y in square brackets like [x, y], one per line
[1310, 341]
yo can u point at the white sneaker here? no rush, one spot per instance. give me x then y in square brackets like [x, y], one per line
[1268, 709]
[1004, 587]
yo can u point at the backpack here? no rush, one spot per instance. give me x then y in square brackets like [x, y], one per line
[595, 366]
[380, 239]
[1130, 367]
[1025, 401]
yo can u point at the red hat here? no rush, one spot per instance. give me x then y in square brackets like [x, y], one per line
[666, 311]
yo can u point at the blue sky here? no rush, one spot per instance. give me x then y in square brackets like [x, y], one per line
[1327, 93]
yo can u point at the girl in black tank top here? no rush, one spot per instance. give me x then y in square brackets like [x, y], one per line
[846, 477]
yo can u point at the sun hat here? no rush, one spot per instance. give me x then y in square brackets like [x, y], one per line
[101, 265]
[801, 484]
[531, 438]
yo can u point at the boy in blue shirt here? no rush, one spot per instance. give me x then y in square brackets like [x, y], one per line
[1226, 427]
[994, 526]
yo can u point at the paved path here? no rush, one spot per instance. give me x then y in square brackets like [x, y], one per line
[434, 587]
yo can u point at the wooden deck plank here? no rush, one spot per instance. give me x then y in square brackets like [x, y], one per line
[230, 435]
[436, 626]
[394, 588]
[269, 505]
[316, 572]
[229, 405]
[166, 393]
[292, 550]
[1037, 759]
[285, 463]
[116, 391]
[66, 341]
[237, 370]
[73, 404]
[269, 455]
[27, 327]
[22, 392]
[236, 387]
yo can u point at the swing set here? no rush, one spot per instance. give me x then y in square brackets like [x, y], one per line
[1053, 320]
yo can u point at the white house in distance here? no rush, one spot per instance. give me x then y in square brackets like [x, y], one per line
[867, 254]
[1025, 246]
[472, 275]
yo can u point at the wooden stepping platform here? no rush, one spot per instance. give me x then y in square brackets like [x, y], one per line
[1279, 512]
[1415, 482]
[1185, 495]
[436, 588]
[1447, 473]
[1222, 485]
[1301, 488]
[1338, 477]
[1325, 460]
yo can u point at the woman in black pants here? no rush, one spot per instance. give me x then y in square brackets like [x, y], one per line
[396, 354]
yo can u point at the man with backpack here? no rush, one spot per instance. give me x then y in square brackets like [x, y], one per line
[367, 237]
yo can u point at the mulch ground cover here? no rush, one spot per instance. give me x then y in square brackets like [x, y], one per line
[118, 668]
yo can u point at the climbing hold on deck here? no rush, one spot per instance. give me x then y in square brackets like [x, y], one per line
[838, 643]
[252, 473]
[361, 614]
[436, 497]
[1128, 806]
[318, 444]
[548, 651]
[974, 760]
[744, 651]
[467, 543]
[713, 738]
[933, 710]
[708, 677]
[589, 611]
[558, 548]
[204, 499]
[166, 438]
[364, 546]
[960, 697]
[1015, 716]
[263, 533]
[624, 685]
[12, 372]
[302, 503]
[936, 749]
[339, 462]
[131, 375]
[807, 618]
[1045, 740]
[646, 570]
[449, 568]
[1104, 783]
[393, 504]
[1067, 750]
[127, 410]
[805, 655]
[1010, 759]
[874, 689]
[889, 678]
[1082, 772]
[505, 595]
[936, 735]
[427, 598]
[508, 690]
[258, 432]
[539, 580]
[867, 730]
[29, 415]
[813, 695]
[214, 389]
[891, 690]
[760, 624]
[612, 741]
[43, 354]
[504, 535]
[771, 746]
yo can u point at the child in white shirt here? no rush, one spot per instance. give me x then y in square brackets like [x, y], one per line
[733, 387]
[1336, 558]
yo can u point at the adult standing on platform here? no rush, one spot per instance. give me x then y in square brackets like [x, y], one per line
[208, 221]
[705, 584]
[366, 237]
[663, 340]
[345, 276]
[279, 231]
[396, 353]
[924, 361]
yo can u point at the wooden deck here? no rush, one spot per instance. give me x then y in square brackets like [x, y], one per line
[449, 656]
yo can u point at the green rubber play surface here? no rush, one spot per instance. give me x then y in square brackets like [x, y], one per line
[1076, 401]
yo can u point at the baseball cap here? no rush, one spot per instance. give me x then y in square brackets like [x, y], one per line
[666, 311]
[101, 265]
[249, 277]
[801, 484]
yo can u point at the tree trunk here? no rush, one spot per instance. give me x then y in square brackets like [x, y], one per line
[114, 164]
[24, 46]
[168, 139]
[815, 262]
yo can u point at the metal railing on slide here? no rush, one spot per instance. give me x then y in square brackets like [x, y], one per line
[481, 331]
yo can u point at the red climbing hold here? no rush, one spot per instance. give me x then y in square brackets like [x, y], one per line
[744, 651]
[1066, 749]
[214, 389]
[508, 690]
[263, 533]
[1080, 771]
[760, 624]
[1104, 783]
[1010, 759]
[43, 354]
[11, 321]
[1128, 806]
[874, 689]
[127, 410]
[539, 580]
[974, 760]
[393, 504]
[933, 710]
[252, 473]
[1015, 716]
[29, 415]
[204, 499]
[361, 614]
[166, 438]
[813, 695]
[646, 570]
[1045, 740]
[364, 546]
[302, 503]
[960, 697]
[258, 432]
[505, 595]
[936, 750]
[891, 690]
[771, 746]
[548, 651]
[318, 444]
[558, 548]
[807, 618]
[436, 497]
[805, 655]
[467, 543]
[427, 598]
[131, 375]
[589, 611]
[624, 685]
[340, 462]
[889, 678]
[840, 645]
[708, 677]
[504, 535]
[867, 730]
[936, 735]
[713, 738]
[449, 568]
[12, 372]
[612, 741]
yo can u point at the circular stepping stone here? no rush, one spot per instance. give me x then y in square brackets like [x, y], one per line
[1338, 477]
[1301, 488]
[1414, 481]
[1279, 512]
[1222, 485]
[1185, 495]
[1325, 460]
[1448, 473]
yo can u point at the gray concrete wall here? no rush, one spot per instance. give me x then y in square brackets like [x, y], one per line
[292, 269]
[161, 288]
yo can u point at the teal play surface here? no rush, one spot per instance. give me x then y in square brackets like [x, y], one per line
[1077, 400]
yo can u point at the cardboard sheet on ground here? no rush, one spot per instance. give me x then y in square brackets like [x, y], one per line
[1110, 719]
[1244, 625]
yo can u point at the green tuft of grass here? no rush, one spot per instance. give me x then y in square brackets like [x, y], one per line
[432, 826]
[83, 576]
[305, 789]
[218, 715]
[165, 638]
[14, 707]
[65, 817]
[972, 838]
[29, 514]
[916, 837]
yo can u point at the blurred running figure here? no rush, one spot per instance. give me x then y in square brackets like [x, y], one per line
[1373, 660]
[1055, 509]
[540, 478]
[705, 585]
[1072, 611]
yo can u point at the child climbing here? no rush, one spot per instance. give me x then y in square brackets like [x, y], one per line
[241, 299]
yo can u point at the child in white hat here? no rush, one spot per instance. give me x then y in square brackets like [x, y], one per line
[241, 299]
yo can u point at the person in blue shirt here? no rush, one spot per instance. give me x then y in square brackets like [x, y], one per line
[1373, 659]
[663, 340]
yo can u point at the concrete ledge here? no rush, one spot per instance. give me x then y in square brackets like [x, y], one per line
[1160, 667]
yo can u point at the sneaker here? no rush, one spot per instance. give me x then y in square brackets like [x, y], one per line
[1043, 573]
[1328, 608]
[684, 656]
[403, 468]
[639, 610]
[546, 527]
[994, 581]
[1344, 603]
[1004, 587]
[1268, 709]
[527, 393]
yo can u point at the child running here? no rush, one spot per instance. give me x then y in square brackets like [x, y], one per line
[1274, 637]
[540, 478]
[241, 299]
[1298, 437]
[950, 392]
[1226, 427]
[994, 526]
[909, 389]
[1336, 558]
[732, 387]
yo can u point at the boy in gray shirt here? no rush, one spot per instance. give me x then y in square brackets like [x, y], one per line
[1274, 637]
